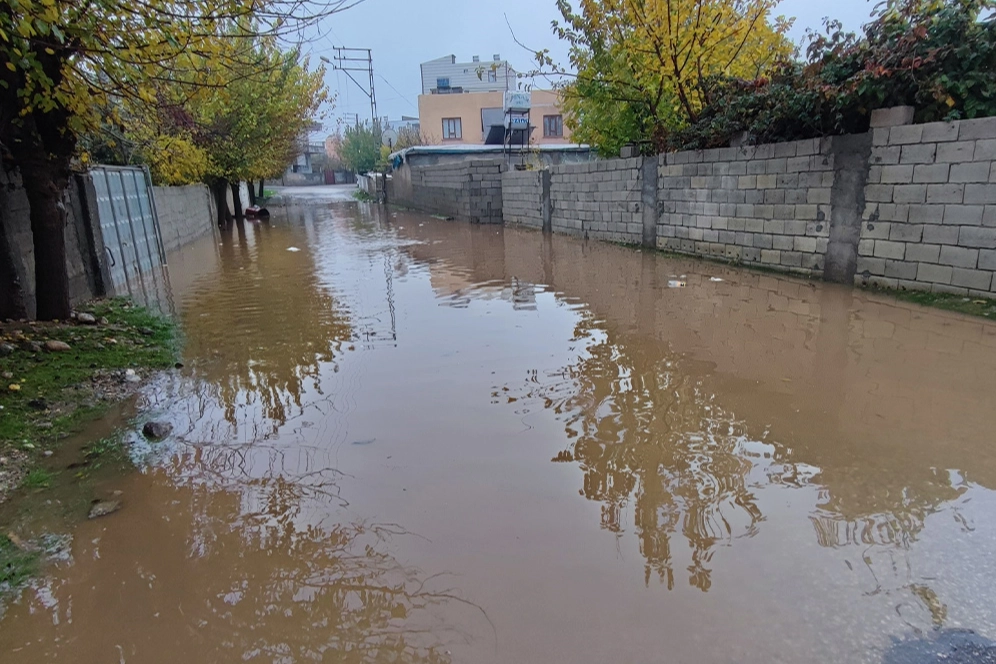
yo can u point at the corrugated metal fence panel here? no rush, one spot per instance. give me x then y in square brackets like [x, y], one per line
[131, 234]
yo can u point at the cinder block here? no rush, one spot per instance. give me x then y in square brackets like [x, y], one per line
[774, 226]
[771, 256]
[795, 196]
[977, 236]
[762, 240]
[889, 249]
[900, 269]
[931, 173]
[959, 256]
[940, 132]
[977, 279]
[905, 135]
[774, 196]
[922, 153]
[766, 181]
[935, 274]
[976, 171]
[980, 194]
[963, 214]
[923, 253]
[817, 196]
[802, 243]
[878, 230]
[987, 259]
[798, 164]
[985, 150]
[865, 247]
[885, 155]
[892, 117]
[754, 195]
[806, 212]
[791, 259]
[945, 193]
[906, 232]
[788, 181]
[782, 242]
[879, 193]
[897, 174]
[795, 227]
[977, 128]
[747, 182]
[751, 254]
[959, 151]
[870, 266]
[776, 166]
[909, 193]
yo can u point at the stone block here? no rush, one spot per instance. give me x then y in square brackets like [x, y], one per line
[755, 167]
[774, 226]
[788, 180]
[865, 247]
[980, 194]
[923, 253]
[900, 269]
[985, 150]
[771, 256]
[922, 153]
[959, 151]
[906, 232]
[892, 117]
[880, 136]
[897, 174]
[970, 215]
[795, 227]
[817, 196]
[789, 149]
[906, 135]
[976, 171]
[782, 242]
[931, 173]
[889, 249]
[910, 193]
[754, 225]
[959, 256]
[989, 216]
[751, 254]
[747, 182]
[977, 279]
[776, 166]
[798, 164]
[762, 240]
[795, 196]
[807, 212]
[870, 266]
[766, 181]
[977, 236]
[885, 156]
[791, 259]
[774, 196]
[878, 230]
[935, 274]
[754, 195]
[976, 129]
[945, 193]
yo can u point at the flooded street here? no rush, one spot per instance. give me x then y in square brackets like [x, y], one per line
[401, 439]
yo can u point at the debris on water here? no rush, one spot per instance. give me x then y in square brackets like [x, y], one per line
[676, 283]
[714, 279]
[295, 249]
[101, 508]
[157, 430]
[363, 442]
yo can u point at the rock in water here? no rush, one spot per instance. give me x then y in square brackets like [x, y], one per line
[103, 508]
[54, 346]
[157, 430]
[86, 319]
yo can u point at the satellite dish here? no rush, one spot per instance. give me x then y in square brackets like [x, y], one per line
[389, 137]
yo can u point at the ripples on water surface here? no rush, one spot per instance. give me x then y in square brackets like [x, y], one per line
[424, 441]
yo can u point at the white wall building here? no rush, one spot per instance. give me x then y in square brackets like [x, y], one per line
[447, 76]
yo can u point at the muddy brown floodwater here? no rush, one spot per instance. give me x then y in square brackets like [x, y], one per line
[399, 439]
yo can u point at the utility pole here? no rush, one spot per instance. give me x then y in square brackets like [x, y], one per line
[358, 60]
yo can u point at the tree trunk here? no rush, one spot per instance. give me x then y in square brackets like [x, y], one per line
[252, 194]
[11, 293]
[237, 201]
[220, 189]
[48, 224]
[259, 194]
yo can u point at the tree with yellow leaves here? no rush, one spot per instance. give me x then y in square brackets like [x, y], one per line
[64, 62]
[639, 66]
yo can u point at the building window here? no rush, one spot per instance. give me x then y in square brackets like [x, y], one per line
[553, 126]
[443, 83]
[492, 76]
[452, 128]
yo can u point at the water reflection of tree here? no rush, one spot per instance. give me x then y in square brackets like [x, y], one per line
[264, 323]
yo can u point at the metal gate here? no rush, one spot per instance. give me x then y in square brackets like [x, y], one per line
[136, 260]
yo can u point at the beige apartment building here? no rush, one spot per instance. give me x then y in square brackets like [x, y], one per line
[465, 118]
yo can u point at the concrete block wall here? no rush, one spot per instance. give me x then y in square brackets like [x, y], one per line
[522, 198]
[469, 190]
[929, 221]
[599, 199]
[766, 205]
[185, 214]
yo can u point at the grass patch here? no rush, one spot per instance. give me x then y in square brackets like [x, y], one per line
[44, 396]
[973, 306]
[362, 196]
[37, 478]
[106, 451]
[16, 564]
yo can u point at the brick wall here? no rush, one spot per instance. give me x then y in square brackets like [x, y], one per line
[761, 205]
[522, 198]
[930, 212]
[598, 199]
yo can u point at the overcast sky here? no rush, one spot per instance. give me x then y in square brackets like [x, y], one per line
[404, 33]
